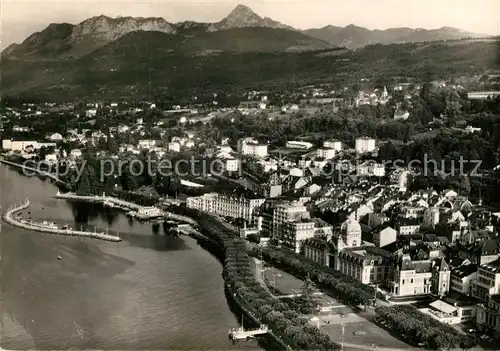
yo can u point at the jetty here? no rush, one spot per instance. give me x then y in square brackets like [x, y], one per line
[10, 218]
[133, 210]
[240, 333]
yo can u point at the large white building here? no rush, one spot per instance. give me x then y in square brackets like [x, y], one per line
[326, 153]
[287, 212]
[333, 144]
[488, 281]
[365, 145]
[23, 145]
[294, 233]
[251, 147]
[227, 206]
[231, 164]
[303, 145]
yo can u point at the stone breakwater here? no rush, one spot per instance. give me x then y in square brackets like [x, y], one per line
[9, 218]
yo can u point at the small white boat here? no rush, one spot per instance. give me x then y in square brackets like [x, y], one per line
[59, 257]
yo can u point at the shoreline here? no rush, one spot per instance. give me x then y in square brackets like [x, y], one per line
[8, 218]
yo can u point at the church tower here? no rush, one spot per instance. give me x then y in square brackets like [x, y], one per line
[385, 94]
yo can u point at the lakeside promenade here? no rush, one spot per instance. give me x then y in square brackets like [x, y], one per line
[9, 218]
[31, 169]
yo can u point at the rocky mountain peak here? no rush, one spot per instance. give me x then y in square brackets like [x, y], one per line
[106, 28]
[243, 16]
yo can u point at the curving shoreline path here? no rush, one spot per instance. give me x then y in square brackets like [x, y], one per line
[9, 218]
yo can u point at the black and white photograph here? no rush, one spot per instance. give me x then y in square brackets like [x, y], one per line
[250, 175]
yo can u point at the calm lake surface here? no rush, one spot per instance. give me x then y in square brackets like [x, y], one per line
[147, 292]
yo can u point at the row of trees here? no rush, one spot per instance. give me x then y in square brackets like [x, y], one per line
[345, 288]
[240, 279]
[108, 175]
[420, 328]
[406, 320]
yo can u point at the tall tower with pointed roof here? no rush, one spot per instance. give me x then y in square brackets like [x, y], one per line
[441, 277]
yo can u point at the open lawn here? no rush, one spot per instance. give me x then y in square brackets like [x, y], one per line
[363, 332]
[286, 284]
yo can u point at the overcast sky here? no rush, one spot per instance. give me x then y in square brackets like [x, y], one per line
[21, 18]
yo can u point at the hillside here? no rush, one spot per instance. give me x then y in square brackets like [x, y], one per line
[130, 69]
[354, 37]
[140, 45]
[66, 40]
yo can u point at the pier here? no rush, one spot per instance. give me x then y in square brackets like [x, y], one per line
[242, 334]
[9, 217]
[107, 200]
[135, 211]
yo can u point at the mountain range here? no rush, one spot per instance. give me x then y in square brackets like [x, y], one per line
[151, 58]
[355, 37]
[242, 30]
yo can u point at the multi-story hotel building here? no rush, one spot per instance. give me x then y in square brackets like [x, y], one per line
[294, 233]
[488, 281]
[227, 206]
[287, 212]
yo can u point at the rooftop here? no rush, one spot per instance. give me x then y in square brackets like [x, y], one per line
[493, 267]
[457, 299]
[464, 270]
[367, 252]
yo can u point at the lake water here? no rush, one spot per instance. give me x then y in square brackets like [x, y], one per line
[147, 292]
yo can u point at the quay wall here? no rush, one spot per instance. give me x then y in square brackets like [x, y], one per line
[8, 217]
[31, 169]
[121, 204]
[114, 201]
[242, 306]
